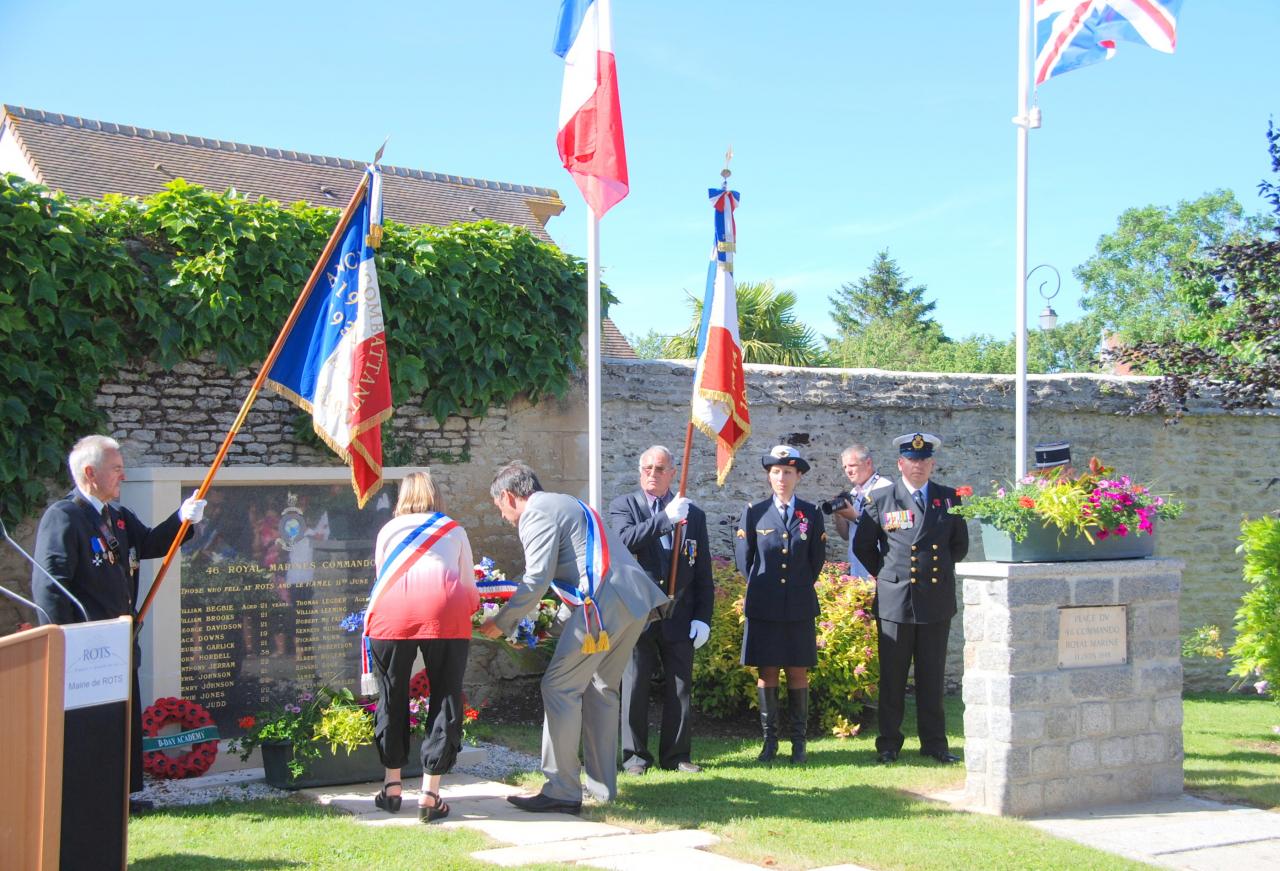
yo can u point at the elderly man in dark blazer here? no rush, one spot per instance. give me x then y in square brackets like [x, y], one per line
[646, 520]
[92, 547]
[908, 539]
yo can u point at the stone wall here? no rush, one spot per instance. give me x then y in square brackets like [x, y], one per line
[1210, 459]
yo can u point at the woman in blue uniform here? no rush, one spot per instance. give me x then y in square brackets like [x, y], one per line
[780, 549]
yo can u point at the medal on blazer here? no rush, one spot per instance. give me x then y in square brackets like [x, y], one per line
[691, 549]
[134, 562]
[101, 551]
[894, 520]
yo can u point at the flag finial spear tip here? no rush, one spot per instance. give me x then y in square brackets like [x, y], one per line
[377, 157]
[725, 173]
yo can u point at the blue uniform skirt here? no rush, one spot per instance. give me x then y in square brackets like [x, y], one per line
[780, 643]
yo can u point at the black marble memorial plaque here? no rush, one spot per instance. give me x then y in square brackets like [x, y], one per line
[266, 582]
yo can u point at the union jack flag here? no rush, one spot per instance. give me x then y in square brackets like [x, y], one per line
[1074, 33]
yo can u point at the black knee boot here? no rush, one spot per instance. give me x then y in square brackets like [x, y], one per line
[768, 697]
[798, 711]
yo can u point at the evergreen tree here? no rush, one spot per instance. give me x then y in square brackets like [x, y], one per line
[882, 295]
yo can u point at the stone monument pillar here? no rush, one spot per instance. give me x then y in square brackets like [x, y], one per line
[1072, 683]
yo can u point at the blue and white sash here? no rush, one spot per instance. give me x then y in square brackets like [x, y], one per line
[413, 546]
[587, 588]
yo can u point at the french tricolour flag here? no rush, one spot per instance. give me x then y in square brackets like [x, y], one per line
[334, 361]
[590, 137]
[719, 384]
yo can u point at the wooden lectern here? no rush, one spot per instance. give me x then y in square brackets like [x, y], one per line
[31, 669]
[65, 721]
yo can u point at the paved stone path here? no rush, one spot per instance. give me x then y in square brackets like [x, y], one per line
[1184, 832]
[547, 838]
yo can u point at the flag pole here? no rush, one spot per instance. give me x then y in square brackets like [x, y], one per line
[316, 272]
[1028, 118]
[593, 358]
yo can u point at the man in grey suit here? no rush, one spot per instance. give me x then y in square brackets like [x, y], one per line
[568, 549]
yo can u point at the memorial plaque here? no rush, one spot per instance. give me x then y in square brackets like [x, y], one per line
[266, 581]
[1092, 636]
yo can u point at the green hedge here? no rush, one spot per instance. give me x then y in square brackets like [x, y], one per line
[476, 313]
[848, 669]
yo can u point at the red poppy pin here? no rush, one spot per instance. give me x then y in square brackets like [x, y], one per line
[937, 503]
[119, 523]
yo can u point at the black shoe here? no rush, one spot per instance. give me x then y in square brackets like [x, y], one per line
[541, 804]
[389, 803]
[768, 698]
[887, 757]
[635, 770]
[686, 766]
[140, 806]
[798, 713]
[943, 756]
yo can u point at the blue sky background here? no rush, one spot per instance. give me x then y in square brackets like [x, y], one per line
[855, 126]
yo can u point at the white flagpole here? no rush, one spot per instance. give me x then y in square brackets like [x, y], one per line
[1026, 119]
[593, 359]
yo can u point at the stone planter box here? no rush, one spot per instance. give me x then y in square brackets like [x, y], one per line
[1044, 544]
[361, 765]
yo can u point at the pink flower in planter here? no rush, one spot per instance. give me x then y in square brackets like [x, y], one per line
[1121, 530]
[1102, 533]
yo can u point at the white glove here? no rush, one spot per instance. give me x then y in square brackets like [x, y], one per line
[677, 509]
[699, 632]
[192, 510]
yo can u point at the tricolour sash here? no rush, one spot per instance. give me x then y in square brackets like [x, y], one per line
[415, 544]
[586, 590]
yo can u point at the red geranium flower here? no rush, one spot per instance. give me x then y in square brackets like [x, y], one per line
[965, 491]
[247, 722]
[1026, 502]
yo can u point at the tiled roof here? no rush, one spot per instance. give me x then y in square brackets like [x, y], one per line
[87, 159]
[613, 343]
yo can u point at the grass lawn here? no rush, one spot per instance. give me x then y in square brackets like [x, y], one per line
[841, 807]
[1232, 753]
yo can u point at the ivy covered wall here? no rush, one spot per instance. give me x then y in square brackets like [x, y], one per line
[477, 314]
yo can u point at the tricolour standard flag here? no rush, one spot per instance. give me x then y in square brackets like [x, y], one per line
[334, 361]
[590, 137]
[1071, 34]
[719, 385]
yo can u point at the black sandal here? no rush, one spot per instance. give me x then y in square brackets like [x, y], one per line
[432, 812]
[389, 803]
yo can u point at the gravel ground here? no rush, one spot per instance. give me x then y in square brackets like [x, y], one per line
[499, 763]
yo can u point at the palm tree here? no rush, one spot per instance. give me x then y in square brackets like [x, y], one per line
[767, 328]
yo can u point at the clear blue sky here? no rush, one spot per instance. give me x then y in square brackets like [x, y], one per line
[856, 126]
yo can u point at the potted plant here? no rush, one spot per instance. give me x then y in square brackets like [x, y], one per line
[326, 738]
[1057, 515]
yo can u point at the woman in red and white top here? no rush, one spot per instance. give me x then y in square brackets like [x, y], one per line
[423, 600]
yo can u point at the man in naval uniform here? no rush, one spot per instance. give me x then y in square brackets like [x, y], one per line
[908, 539]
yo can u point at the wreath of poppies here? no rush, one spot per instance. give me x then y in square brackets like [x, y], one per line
[419, 686]
[189, 715]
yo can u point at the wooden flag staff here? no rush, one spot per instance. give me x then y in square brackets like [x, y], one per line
[688, 444]
[316, 272]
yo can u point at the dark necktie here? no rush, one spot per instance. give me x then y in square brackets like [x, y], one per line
[786, 516]
[658, 505]
[919, 497]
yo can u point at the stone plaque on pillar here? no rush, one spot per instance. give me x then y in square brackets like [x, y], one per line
[266, 582]
[1091, 637]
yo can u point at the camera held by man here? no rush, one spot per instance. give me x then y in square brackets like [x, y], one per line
[835, 503]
